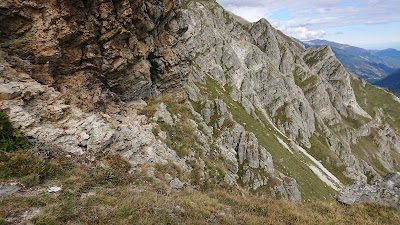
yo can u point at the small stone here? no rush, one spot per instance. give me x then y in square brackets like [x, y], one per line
[180, 209]
[163, 135]
[84, 136]
[9, 189]
[176, 184]
[87, 195]
[54, 189]
[167, 177]
[8, 91]
[163, 114]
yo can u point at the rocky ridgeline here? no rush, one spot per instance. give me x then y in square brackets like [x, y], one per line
[238, 104]
[304, 94]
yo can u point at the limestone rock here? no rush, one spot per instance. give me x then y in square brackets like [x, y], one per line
[291, 189]
[384, 192]
[176, 184]
[54, 189]
[163, 115]
[305, 94]
[129, 46]
[9, 189]
[9, 91]
[53, 123]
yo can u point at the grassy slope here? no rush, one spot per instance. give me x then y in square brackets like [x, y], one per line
[111, 195]
[134, 200]
[371, 99]
[311, 187]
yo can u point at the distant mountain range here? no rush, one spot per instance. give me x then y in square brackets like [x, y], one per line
[371, 65]
[391, 82]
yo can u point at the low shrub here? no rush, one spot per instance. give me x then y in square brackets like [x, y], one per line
[27, 167]
[10, 138]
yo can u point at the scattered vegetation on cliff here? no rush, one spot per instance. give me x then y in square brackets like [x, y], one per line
[20, 164]
[10, 138]
[291, 165]
[374, 100]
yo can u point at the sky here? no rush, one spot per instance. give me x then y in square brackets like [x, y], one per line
[370, 24]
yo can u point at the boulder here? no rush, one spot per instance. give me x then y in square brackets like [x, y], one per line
[385, 191]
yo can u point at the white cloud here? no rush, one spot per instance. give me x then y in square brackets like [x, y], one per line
[314, 13]
[361, 21]
[302, 33]
[251, 14]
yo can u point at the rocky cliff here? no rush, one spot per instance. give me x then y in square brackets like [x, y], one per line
[228, 102]
[304, 99]
[97, 48]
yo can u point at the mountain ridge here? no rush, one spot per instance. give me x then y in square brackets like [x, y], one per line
[391, 82]
[372, 65]
[191, 103]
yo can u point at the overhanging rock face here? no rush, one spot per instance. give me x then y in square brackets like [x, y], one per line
[384, 192]
[128, 46]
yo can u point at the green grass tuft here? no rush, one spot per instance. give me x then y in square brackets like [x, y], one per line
[10, 138]
[28, 168]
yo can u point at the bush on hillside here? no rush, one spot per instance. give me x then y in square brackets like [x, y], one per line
[10, 138]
